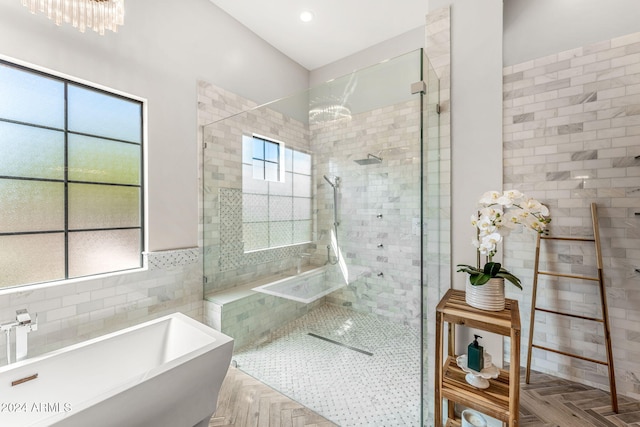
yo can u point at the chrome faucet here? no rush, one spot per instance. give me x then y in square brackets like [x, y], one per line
[23, 325]
[300, 258]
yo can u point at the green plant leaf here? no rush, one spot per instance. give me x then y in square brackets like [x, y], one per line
[479, 279]
[492, 268]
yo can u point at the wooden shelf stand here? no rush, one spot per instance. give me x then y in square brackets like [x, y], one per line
[502, 399]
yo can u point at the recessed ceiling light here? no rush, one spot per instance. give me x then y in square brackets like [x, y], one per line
[306, 16]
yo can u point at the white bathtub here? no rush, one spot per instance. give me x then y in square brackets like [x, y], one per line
[165, 372]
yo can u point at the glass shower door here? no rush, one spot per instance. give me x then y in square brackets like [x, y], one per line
[435, 226]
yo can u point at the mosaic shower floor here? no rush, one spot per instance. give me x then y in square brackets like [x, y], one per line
[352, 368]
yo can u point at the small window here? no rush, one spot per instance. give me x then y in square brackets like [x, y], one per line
[276, 209]
[266, 157]
[70, 179]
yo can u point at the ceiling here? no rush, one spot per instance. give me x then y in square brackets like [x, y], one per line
[340, 27]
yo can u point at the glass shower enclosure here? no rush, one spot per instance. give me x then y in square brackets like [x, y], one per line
[321, 235]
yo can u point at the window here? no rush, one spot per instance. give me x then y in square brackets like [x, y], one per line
[275, 212]
[70, 179]
[266, 159]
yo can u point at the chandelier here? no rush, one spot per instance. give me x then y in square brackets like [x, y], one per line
[98, 15]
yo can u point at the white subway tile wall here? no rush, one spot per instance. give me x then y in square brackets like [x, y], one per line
[83, 309]
[571, 137]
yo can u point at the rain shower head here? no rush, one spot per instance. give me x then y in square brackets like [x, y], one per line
[370, 160]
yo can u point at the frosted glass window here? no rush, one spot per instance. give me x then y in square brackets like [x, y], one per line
[28, 206]
[271, 172]
[302, 231]
[280, 233]
[251, 185]
[41, 153]
[94, 206]
[31, 258]
[102, 114]
[301, 208]
[96, 252]
[280, 208]
[255, 208]
[301, 162]
[71, 179]
[247, 149]
[255, 235]
[31, 97]
[284, 188]
[301, 185]
[270, 212]
[101, 160]
[288, 160]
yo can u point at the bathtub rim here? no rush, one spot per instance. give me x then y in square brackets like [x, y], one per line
[219, 339]
[314, 270]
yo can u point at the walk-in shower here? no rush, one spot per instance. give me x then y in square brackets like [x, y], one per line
[292, 184]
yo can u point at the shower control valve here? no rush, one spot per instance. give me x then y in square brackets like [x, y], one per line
[380, 245]
[379, 215]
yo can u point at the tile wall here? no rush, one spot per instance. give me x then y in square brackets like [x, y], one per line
[378, 204]
[83, 309]
[225, 261]
[572, 137]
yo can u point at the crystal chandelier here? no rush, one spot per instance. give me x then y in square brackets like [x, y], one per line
[98, 15]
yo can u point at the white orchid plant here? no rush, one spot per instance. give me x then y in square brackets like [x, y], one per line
[498, 214]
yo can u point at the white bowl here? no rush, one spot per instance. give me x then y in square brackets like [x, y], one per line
[471, 418]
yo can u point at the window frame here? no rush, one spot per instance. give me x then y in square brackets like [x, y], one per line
[66, 81]
[269, 194]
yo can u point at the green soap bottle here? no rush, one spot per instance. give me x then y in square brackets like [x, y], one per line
[475, 355]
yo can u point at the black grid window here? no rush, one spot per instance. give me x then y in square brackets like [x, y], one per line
[71, 186]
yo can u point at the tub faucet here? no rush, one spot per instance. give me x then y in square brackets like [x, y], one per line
[24, 325]
[6, 328]
[300, 258]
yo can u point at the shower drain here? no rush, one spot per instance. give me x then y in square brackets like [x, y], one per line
[359, 350]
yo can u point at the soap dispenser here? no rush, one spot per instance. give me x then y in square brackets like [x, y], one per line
[475, 355]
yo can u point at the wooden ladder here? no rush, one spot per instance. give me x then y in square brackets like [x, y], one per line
[603, 299]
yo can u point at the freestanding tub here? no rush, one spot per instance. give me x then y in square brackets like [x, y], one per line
[165, 372]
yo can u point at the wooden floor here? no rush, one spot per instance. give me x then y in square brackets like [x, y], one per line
[546, 402]
[549, 401]
[244, 401]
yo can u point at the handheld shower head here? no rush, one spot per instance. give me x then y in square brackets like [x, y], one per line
[333, 184]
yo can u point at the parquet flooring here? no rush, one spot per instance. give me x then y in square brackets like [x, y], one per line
[244, 401]
[547, 401]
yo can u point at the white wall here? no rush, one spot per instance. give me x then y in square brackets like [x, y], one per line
[404, 43]
[476, 129]
[476, 115]
[160, 52]
[535, 28]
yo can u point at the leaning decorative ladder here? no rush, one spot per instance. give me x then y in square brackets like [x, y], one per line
[603, 299]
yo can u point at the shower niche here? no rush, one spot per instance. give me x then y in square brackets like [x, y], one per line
[308, 214]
